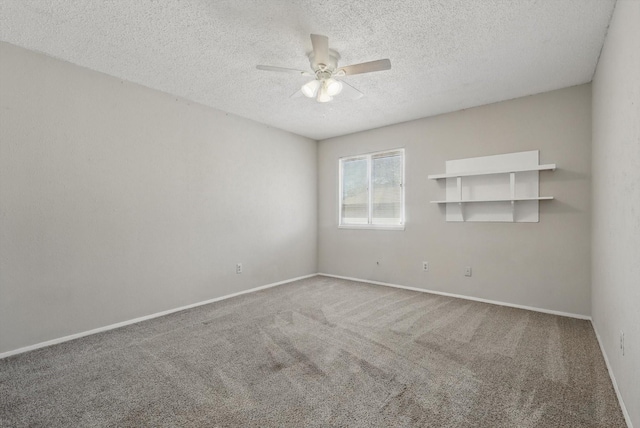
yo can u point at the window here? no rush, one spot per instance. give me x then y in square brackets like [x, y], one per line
[372, 190]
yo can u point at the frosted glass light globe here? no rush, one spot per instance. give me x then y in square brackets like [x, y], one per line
[310, 89]
[323, 96]
[334, 87]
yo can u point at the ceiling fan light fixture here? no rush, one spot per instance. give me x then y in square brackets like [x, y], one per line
[310, 89]
[333, 87]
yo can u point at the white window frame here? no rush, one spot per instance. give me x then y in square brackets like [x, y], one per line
[370, 225]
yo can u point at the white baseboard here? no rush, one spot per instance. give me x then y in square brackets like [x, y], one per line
[627, 418]
[460, 296]
[228, 296]
[144, 318]
[530, 308]
[193, 305]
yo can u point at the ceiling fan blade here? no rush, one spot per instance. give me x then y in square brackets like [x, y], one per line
[320, 48]
[366, 67]
[296, 94]
[350, 92]
[284, 70]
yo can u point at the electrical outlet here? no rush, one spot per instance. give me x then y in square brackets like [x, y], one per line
[425, 266]
[622, 342]
[238, 267]
[467, 271]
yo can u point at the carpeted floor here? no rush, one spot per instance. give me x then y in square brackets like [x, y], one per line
[320, 352]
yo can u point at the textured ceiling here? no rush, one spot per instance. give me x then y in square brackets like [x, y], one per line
[446, 55]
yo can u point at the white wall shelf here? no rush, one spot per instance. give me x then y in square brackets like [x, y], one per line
[550, 166]
[499, 188]
[466, 201]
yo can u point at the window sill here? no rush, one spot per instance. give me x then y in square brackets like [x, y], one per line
[372, 226]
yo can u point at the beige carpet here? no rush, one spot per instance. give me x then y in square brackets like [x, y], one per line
[320, 352]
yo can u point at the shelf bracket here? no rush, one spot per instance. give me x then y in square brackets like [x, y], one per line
[512, 183]
[460, 204]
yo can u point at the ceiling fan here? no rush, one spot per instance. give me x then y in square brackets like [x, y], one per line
[324, 70]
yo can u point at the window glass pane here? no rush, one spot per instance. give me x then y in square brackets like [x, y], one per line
[386, 177]
[355, 195]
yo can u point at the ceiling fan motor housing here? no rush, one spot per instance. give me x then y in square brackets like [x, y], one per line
[324, 70]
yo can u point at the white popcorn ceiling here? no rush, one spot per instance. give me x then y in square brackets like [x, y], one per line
[446, 55]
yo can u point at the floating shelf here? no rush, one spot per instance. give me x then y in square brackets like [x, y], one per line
[550, 166]
[540, 198]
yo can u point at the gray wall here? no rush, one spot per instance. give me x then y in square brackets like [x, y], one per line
[616, 200]
[117, 201]
[544, 265]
